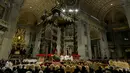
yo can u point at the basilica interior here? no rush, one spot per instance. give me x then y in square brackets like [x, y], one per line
[93, 29]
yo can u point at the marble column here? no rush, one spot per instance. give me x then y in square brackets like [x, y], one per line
[12, 21]
[84, 41]
[104, 45]
[85, 20]
[89, 41]
[58, 41]
[126, 5]
[81, 45]
[37, 44]
[27, 36]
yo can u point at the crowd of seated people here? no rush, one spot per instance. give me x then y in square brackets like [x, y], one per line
[64, 67]
[2, 63]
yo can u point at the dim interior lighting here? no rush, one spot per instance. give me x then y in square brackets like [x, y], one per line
[126, 39]
[19, 37]
[63, 10]
[76, 10]
[111, 4]
[57, 2]
[70, 10]
[30, 7]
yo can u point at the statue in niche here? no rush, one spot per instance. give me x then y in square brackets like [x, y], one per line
[19, 42]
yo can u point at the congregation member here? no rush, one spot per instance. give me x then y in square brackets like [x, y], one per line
[67, 67]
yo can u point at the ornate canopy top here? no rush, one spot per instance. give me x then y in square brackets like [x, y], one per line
[57, 18]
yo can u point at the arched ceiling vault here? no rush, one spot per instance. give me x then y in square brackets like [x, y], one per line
[96, 8]
[99, 8]
[27, 18]
[36, 7]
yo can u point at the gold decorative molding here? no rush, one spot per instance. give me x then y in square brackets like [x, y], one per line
[19, 37]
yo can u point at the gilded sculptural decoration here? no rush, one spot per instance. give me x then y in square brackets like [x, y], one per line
[18, 41]
[19, 37]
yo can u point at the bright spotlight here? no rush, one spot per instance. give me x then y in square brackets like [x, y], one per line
[63, 10]
[70, 10]
[76, 10]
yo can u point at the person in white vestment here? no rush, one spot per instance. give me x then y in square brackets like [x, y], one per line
[71, 58]
[62, 58]
[66, 57]
[9, 65]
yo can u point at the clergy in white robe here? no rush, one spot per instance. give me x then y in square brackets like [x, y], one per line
[71, 58]
[9, 65]
[67, 57]
[62, 58]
